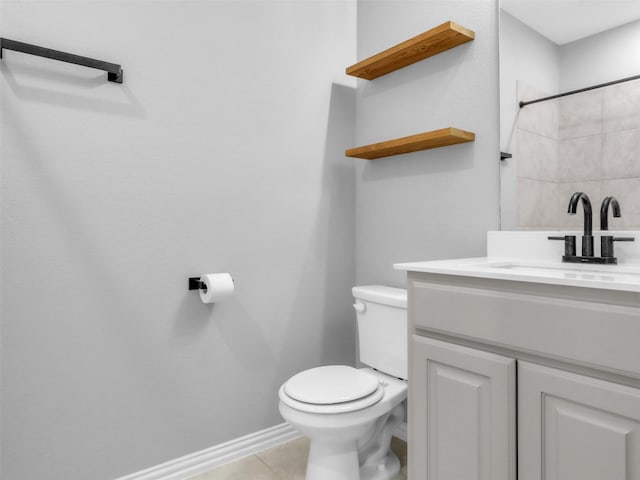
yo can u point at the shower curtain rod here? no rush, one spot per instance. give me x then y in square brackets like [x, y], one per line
[586, 89]
[114, 71]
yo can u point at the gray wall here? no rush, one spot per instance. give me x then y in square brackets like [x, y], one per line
[437, 203]
[222, 151]
[600, 58]
[524, 55]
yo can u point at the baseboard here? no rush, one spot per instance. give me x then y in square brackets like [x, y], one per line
[199, 462]
[218, 455]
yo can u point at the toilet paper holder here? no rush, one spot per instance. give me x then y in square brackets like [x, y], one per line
[196, 284]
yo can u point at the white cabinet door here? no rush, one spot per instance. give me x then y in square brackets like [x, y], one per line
[572, 427]
[461, 413]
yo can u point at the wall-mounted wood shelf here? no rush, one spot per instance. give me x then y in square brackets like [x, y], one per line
[412, 143]
[434, 41]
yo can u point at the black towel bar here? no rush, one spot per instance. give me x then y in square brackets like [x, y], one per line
[114, 71]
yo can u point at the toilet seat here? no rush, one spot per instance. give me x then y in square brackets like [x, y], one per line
[331, 389]
[331, 384]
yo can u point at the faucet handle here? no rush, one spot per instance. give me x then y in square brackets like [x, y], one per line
[606, 244]
[569, 244]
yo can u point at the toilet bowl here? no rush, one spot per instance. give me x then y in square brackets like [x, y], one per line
[350, 439]
[349, 414]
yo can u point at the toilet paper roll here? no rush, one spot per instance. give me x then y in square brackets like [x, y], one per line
[217, 287]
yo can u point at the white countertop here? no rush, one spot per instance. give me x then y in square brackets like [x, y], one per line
[608, 277]
[533, 258]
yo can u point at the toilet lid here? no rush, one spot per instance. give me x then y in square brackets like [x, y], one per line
[331, 384]
[333, 408]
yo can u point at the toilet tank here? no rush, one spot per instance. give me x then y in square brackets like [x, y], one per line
[382, 328]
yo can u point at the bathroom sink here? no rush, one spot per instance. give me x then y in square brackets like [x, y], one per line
[531, 257]
[564, 268]
[603, 273]
[608, 277]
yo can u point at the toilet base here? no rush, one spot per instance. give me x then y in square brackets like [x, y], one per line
[340, 462]
[384, 471]
[332, 461]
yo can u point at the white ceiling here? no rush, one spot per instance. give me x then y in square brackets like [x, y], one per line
[564, 21]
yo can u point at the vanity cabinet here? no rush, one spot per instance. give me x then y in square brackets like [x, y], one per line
[519, 380]
[576, 427]
[462, 420]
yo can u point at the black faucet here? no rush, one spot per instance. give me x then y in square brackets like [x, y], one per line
[587, 238]
[604, 211]
[606, 241]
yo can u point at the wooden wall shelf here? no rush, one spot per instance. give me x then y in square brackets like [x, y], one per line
[412, 143]
[434, 41]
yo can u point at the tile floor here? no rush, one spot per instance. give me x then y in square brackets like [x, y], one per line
[284, 462]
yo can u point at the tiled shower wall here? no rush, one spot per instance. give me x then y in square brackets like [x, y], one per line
[586, 142]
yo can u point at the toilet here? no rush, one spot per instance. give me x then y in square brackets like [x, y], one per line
[349, 414]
